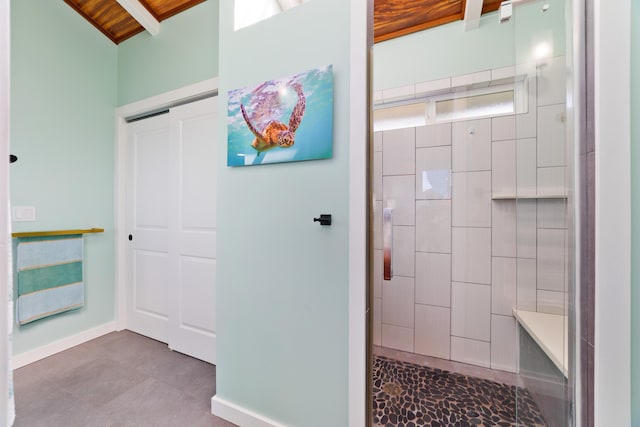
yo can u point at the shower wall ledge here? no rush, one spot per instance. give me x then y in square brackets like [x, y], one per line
[527, 196]
[549, 331]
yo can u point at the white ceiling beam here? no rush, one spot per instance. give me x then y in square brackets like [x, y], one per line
[472, 12]
[142, 15]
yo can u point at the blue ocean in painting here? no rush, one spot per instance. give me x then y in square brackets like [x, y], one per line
[275, 100]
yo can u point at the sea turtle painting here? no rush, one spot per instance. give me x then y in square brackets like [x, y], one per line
[271, 133]
[288, 119]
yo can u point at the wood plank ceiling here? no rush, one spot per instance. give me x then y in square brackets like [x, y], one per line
[392, 18]
[116, 23]
[395, 18]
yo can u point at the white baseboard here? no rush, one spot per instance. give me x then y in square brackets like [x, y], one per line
[239, 415]
[50, 349]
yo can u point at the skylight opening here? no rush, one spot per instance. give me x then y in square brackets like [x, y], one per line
[249, 12]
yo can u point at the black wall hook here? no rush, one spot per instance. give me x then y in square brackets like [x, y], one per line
[12, 158]
[325, 219]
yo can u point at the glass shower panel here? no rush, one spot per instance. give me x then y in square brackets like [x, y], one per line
[470, 176]
[542, 176]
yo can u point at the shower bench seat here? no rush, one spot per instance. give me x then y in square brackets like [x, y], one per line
[549, 331]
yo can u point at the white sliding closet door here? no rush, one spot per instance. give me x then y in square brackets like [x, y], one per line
[148, 204]
[171, 211]
[192, 309]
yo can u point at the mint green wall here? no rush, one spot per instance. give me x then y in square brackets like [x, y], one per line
[635, 214]
[63, 95]
[449, 50]
[185, 52]
[441, 52]
[282, 282]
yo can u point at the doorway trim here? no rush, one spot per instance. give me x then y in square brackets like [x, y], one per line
[140, 108]
[359, 134]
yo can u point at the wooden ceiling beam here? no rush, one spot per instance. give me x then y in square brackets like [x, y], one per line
[142, 15]
[472, 12]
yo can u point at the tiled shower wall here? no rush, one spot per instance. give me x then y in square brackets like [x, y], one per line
[462, 260]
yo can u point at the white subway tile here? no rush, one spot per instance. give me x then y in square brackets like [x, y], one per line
[433, 226]
[551, 181]
[471, 351]
[433, 87]
[432, 332]
[398, 301]
[526, 68]
[526, 124]
[479, 79]
[504, 343]
[471, 255]
[377, 175]
[527, 292]
[503, 171]
[471, 311]
[551, 262]
[504, 238]
[503, 128]
[404, 250]
[502, 73]
[378, 273]
[399, 150]
[402, 92]
[377, 225]
[551, 302]
[552, 78]
[471, 145]
[433, 173]
[552, 213]
[399, 194]
[397, 337]
[551, 135]
[471, 199]
[377, 141]
[503, 285]
[526, 228]
[526, 170]
[433, 279]
[433, 135]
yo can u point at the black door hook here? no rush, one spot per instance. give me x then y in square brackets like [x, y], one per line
[325, 219]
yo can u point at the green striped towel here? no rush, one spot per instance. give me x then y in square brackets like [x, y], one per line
[50, 277]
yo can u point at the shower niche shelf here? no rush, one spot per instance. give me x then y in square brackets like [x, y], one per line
[549, 331]
[527, 196]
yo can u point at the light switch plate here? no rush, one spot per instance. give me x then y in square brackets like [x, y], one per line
[23, 213]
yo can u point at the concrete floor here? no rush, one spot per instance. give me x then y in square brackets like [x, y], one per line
[120, 379]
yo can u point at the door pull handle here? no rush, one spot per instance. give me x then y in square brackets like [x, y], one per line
[387, 243]
[325, 219]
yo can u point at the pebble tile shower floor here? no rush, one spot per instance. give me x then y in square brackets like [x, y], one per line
[408, 395]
